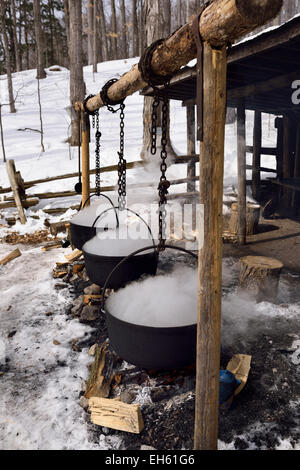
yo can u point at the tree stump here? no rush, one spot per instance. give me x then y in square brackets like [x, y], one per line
[253, 214]
[260, 276]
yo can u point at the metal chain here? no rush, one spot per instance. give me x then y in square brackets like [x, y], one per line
[97, 151]
[122, 163]
[164, 184]
[155, 106]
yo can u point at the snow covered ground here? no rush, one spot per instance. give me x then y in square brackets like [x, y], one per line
[40, 386]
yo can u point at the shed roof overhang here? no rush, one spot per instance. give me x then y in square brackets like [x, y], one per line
[261, 71]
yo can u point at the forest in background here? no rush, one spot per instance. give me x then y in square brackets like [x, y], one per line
[116, 29]
[74, 33]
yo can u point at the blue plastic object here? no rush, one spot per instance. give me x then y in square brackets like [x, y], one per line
[228, 385]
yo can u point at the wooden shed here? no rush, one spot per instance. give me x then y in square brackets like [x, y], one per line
[260, 76]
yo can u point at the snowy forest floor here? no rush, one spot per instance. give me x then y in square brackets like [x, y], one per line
[41, 382]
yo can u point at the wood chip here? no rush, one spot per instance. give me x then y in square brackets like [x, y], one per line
[101, 374]
[240, 366]
[13, 255]
[74, 256]
[114, 414]
[51, 246]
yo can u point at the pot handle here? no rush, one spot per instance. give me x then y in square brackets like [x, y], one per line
[128, 210]
[155, 247]
[90, 197]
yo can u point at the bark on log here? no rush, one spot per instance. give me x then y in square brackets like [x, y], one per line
[13, 255]
[260, 276]
[224, 21]
[30, 202]
[253, 213]
[102, 373]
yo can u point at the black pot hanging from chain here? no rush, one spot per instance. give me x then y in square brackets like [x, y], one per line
[82, 231]
[152, 348]
[103, 255]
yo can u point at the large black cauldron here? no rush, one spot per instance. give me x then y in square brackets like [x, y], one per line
[150, 347]
[99, 266]
[80, 234]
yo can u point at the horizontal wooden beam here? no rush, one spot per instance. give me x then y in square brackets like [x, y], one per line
[264, 150]
[106, 169]
[262, 169]
[222, 22]
[265, 86]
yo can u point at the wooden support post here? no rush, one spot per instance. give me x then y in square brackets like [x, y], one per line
[241, 154]
[279, 149]
[191, 145]
[257, 137]
[85, 152]
[210, 254]
[11, 171]
[297, 166]
[287, 160]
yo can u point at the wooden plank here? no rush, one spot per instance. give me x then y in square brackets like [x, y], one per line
[11, 171]
[29, 202]
[257, 138]
[288, 184]
[241, 157]
[264, 86]
[74, 256]
[107, 169]
[264, 150]
[210, 254]
[261, 169]
[240, 366]
[13, 255]
[191, 146]
[279, 154]
[85, 156]
[114, 414]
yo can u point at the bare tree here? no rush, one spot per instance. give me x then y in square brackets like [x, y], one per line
[7, 57]
[103, 30]
[90, 27]
[16, 45]
[2, 134]
[167, 17]
[114, 32]
[38, 41]
[67, 20]
[124, 30]
[155, 29]
[142, 27]
[41, 117]
[95, 52]
[179, 17]
[77, 87]
[135, 37]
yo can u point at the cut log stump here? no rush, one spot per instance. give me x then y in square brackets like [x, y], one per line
[253, 213]
[260, 276]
